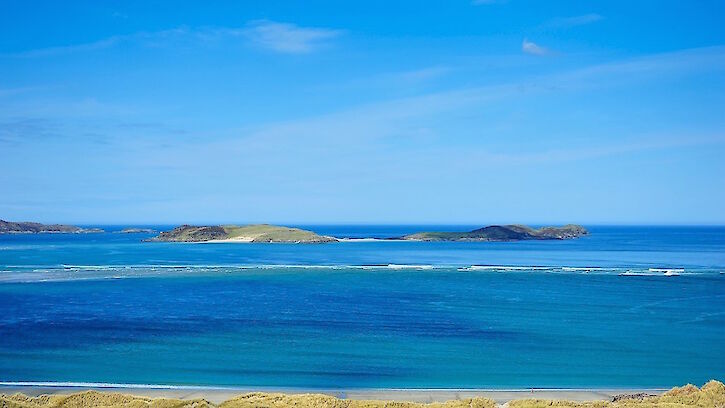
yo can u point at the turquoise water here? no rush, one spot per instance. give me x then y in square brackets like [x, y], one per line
[594, 312]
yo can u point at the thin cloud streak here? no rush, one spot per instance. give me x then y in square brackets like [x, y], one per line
[149, 38]
[289, 38]
[422, 74]
[384, 119]
[688, 60]
[69, 49]
[361, 128]
[6, 92]
[634, 145]
[355, 144]
[274, 36]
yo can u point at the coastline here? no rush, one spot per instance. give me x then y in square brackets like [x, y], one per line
[218, 395]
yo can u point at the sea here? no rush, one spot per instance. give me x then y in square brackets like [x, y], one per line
[625, 307]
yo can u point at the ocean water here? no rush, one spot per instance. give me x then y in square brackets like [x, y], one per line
[623, 307]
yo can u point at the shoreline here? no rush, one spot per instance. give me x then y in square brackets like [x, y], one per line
[218, 394]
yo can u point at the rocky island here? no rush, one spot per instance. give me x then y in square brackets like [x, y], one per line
[10, 227]
[498, 233]
[247, 233]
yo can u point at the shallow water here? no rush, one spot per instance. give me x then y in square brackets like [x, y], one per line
[108, 308]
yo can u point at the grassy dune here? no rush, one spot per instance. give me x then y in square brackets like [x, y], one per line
[94, 399]
[711, 395]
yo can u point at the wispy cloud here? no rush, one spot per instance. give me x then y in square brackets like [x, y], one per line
[68, 49]
[566, 22]
[414, 79]
[530, 47]
[633, 144]
[289, 38]
[17, 91]
[386, 118]
[389, 137]
[275, 36]
[422, 74]
[16, 130]
[390, 120]
[148, 38]
[686, 61]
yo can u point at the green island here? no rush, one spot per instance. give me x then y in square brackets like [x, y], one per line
[247, 233]
[502, 233]
[10, 227]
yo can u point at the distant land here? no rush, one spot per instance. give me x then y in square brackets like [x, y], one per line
[281, 234]
[247, 233]
[256, 233]
[9, 227]
[499, 233]
[137, 231]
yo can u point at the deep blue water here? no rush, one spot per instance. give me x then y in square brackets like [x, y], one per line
[109, 308]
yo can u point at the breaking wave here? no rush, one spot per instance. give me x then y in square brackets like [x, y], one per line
[46, 273]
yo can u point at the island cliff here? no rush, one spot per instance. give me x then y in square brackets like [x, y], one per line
[10, 227]
[494, 233]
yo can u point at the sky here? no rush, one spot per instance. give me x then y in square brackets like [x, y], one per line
[429, 112]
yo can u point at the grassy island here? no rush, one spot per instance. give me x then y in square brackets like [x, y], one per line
[246, 233]
[503, 233]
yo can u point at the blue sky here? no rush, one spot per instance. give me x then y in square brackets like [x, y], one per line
[486, 111]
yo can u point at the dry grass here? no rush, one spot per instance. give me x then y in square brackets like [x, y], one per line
[96, 399]
[711, 395]
[263, 400]
[252, 400]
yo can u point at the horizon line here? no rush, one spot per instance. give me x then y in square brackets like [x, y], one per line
[380, 224]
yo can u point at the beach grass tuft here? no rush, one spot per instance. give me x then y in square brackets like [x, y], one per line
[97, 399]
[711, 395]
[265, 400]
